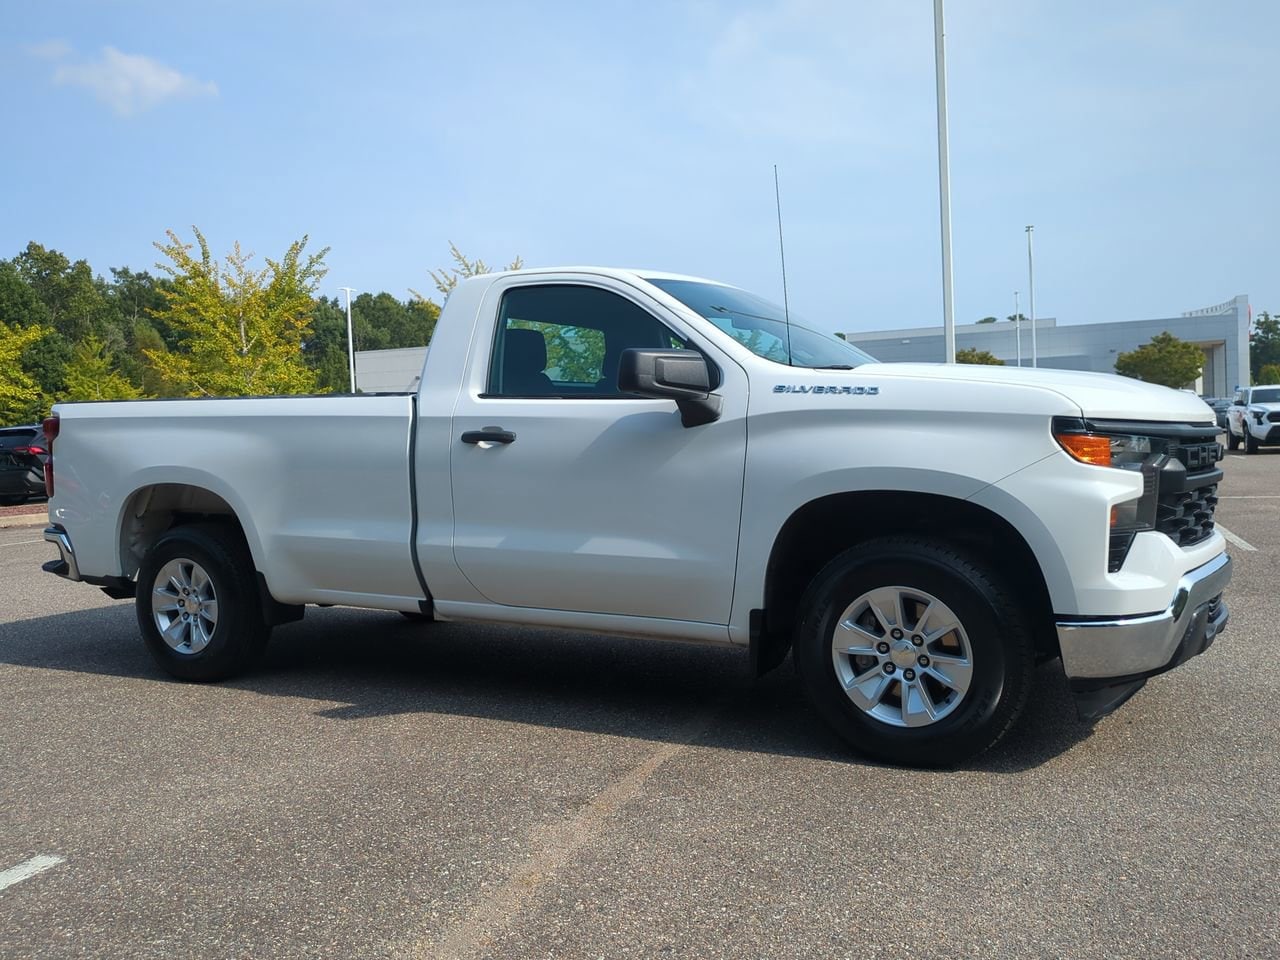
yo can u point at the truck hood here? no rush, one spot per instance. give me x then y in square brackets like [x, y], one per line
[1105, 396]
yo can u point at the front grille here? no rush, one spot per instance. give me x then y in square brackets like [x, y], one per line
[1186, 517]
[1198, 457]
[1274, 417]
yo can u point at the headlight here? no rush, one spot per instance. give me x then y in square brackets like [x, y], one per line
[1144, 455]
[1123, 451]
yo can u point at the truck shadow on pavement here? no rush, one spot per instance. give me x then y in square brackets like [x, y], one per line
[377, 664]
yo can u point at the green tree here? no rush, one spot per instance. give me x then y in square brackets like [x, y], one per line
[974, 355]
[381, 322]
[1264, 344]
[74, 299]
[240, 330]
[137, 365]
[1270, 373]
[20, 397]
[447, 277]
[92, 375]
[19, 305]
[46, 361]
[325, 351]
[1020, 317]
[1165, 360]
[987, 320]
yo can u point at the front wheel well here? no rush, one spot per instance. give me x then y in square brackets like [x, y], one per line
[821, 529]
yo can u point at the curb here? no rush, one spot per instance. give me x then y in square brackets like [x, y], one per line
[23, 520]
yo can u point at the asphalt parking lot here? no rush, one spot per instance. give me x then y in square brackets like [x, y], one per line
[380, 788]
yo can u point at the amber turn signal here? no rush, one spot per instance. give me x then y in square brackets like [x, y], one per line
[1087, 448]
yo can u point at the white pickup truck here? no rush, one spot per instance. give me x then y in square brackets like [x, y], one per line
[643, 454]
[1253, 419]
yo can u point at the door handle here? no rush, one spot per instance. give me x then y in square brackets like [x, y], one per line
[489, 435]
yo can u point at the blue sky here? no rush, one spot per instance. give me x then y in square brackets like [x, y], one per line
[1140, 138]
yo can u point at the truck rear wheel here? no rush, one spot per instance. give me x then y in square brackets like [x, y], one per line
[198, 605]
[914, 652]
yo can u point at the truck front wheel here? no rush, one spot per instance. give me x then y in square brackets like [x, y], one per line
[198, 605]
[913, 651]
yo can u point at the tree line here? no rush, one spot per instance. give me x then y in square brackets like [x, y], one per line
[198, 325]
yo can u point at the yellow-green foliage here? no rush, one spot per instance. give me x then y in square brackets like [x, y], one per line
[91, 375]
[20, 397]
[241, 329]
[974, 355]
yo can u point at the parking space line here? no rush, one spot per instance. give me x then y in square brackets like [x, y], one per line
[1238, 541]
[28, 869]
[552, 850]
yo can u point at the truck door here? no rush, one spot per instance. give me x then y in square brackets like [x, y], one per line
[600, 502]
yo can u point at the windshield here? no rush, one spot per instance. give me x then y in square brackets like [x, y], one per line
[1270, 395]
[761, 327]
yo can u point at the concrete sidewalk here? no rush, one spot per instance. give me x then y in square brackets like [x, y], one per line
[27, 515]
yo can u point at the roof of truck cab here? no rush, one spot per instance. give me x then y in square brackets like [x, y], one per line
[618, 273]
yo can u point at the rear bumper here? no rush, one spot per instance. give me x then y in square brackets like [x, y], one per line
[1107, 661]
[21, 481]
[65, 566]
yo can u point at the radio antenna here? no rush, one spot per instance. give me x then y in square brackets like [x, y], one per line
[782, 254]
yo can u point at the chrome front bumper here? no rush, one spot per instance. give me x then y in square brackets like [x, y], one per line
[1135, 646]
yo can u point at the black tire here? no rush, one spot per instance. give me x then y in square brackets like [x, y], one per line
[1233, 442]
[239, 635]
[416, 617]
[1250, 443]
[1002, 651]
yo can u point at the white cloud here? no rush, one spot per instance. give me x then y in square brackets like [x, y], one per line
[129, 82]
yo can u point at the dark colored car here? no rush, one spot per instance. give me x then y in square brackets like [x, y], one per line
[1219, 405]
[23, 453]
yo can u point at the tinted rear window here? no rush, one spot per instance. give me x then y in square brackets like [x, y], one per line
[16, 437]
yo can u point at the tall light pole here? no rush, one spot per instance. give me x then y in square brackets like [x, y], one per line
[944, 181]
[1017, 326]
[1031, 292]
[351, 342]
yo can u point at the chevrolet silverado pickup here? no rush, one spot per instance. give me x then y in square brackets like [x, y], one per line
[643, 454]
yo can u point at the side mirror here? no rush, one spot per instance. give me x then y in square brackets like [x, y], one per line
[679, 375]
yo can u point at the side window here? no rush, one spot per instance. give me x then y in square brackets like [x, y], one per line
[562, 340]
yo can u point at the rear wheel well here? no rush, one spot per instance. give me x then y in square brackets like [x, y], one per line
[823, 528]
[153, 510]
